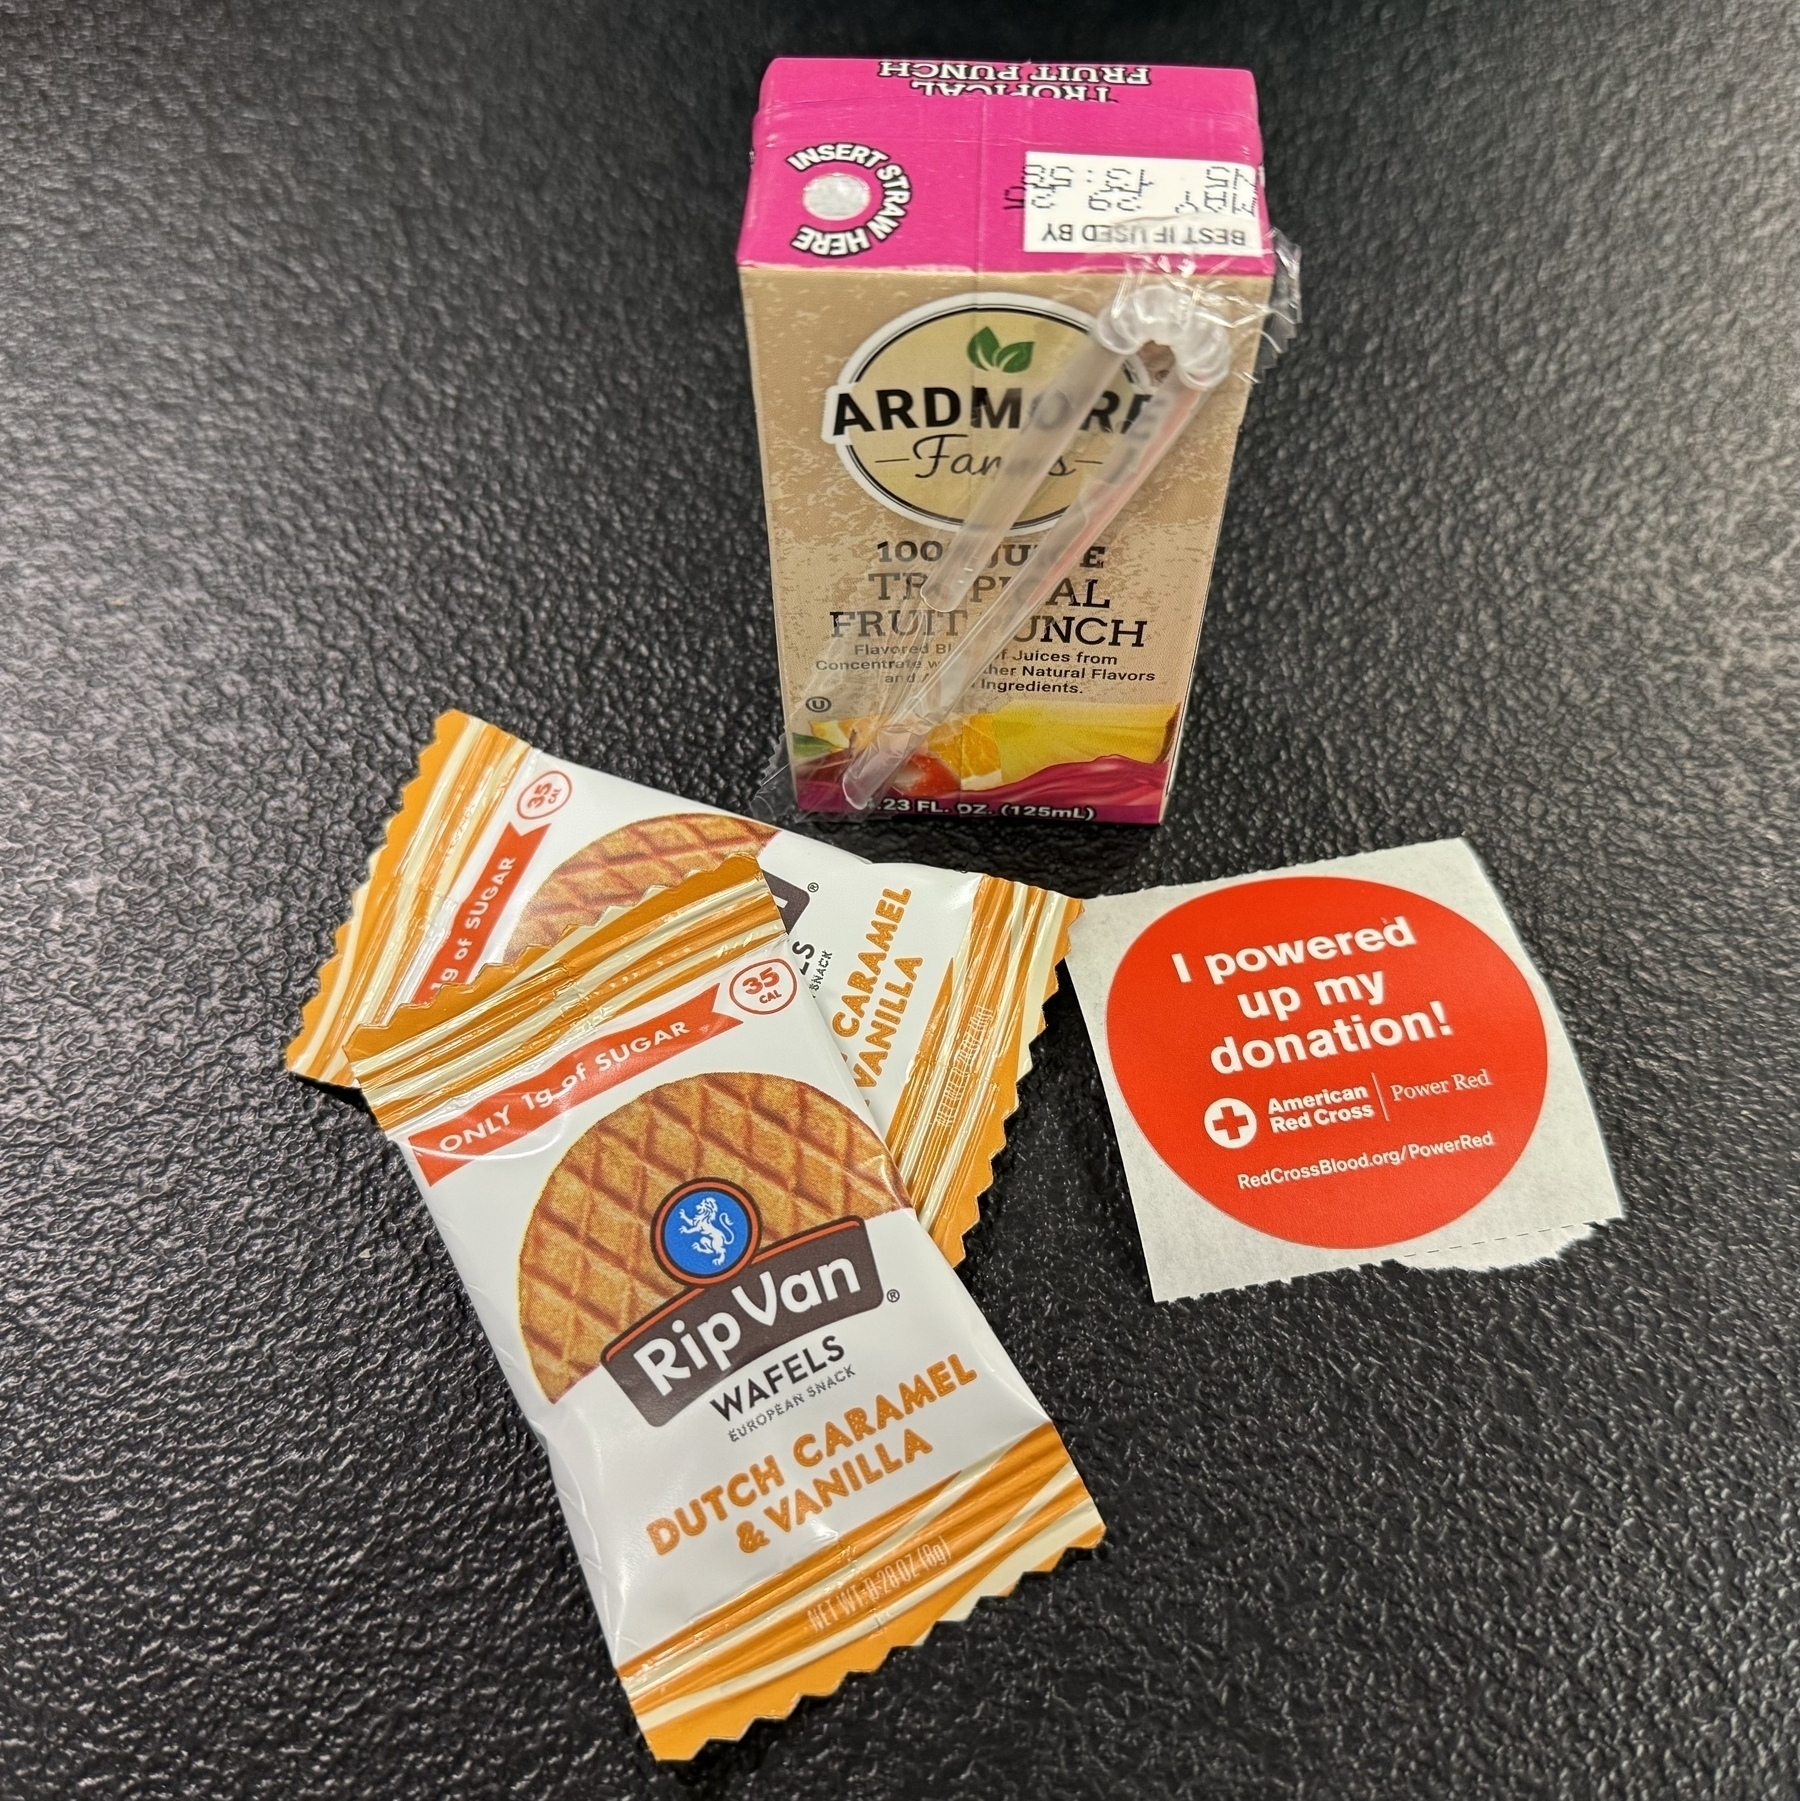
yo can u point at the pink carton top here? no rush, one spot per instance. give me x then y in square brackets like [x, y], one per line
[927, 164]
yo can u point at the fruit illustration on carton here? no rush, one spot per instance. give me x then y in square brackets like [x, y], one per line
[984, 751]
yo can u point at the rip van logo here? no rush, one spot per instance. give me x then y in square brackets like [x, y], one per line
[790, 900]
[705, 1231]
[739, 1303]
[927, 407]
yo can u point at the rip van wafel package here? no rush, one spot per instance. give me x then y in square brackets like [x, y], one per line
[784, 1438]
[932, 982]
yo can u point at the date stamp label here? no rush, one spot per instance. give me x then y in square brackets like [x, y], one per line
[1147, 203]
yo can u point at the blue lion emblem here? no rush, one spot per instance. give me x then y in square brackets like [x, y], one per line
[712, 1233]
[707, 1232]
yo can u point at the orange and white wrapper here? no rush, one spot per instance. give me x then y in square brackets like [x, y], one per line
[784, 1438]
[932, 982]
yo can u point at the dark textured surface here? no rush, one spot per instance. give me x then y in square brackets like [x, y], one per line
[347, 359]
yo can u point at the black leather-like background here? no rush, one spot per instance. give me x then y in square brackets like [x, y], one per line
[356, 362]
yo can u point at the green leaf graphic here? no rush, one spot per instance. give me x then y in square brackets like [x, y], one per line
[984, 349]
[1015, 359]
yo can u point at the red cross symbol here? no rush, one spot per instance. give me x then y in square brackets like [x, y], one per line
[1230, 1123]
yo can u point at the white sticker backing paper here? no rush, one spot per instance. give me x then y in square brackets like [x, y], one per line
[1337, 1064]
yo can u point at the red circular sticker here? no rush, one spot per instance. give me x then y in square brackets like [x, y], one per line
[1333, 1062]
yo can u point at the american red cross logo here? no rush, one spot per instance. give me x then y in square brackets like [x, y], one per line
[1230, 1123]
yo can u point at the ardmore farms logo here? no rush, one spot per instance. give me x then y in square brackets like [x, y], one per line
[925, 410]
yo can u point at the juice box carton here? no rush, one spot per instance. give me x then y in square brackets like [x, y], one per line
[924, 244]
